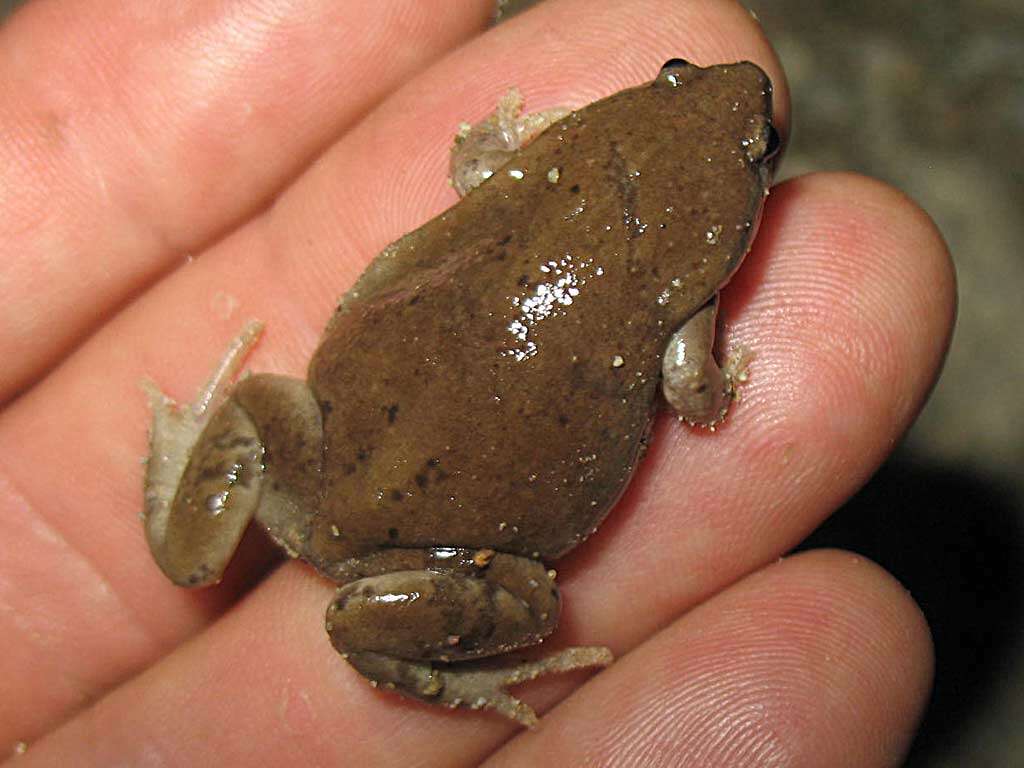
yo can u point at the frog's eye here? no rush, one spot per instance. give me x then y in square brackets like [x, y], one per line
[673, 64]
[672, 71]
[774, 143]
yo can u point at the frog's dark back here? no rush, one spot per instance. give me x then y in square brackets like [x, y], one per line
[491, 381]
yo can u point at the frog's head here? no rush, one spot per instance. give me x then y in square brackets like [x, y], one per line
[763, 144]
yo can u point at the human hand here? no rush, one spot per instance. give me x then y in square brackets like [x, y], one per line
[284, 146]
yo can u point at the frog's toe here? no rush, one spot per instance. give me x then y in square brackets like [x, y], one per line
[437, 634]
[474, 685]
[480, 688]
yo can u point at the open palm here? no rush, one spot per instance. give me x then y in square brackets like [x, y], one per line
[168, 171]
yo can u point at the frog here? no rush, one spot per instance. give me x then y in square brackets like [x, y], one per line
[483, 393]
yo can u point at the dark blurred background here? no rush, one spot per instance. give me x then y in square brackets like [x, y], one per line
[929, 96]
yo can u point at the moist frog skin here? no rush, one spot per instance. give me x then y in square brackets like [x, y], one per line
[483, 393]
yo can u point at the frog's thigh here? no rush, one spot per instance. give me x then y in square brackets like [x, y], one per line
[692, 382]
[257, 456]
[401, 629]
[481, 149]
[447, 616]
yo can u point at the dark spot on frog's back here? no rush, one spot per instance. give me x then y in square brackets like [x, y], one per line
[228, 441]
[397, 495]
[575, 189]
[392, 412]
[432, 473]
[393, 534]
[505, 240]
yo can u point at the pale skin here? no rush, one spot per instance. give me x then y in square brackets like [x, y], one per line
[98, 669]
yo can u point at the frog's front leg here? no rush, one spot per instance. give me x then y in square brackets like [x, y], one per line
[216, 463]
[415, 621]
[693, 383]
[483, 148]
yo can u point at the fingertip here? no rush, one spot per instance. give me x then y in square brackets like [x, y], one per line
[819, 659]
[877, 216]
[870, 653]
[852, 652]
[916, 250]
[878, 615]
[848, 298]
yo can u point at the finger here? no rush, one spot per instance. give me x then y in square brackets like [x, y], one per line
[846, 303]
[822, 652]
[291, 279]
[822, 659]
[164, 129]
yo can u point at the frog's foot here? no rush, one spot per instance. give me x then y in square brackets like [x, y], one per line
[736, 370]
[176, 428]
[174, 432]
[694, 385]
[475, 685]
[204, 476]
[481, 149]
[422, 622]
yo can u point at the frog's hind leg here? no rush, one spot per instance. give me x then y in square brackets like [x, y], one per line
[693, 383]
[211, 468]
[420, 621]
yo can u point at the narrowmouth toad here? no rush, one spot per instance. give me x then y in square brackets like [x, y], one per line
[483, 393]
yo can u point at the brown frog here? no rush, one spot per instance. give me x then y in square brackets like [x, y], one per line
[483, 393]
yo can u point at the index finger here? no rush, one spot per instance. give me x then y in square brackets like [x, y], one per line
[165, 129]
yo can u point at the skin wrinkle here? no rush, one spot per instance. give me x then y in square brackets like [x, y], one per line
[117, 148]
[72, 688]
[103, 584]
